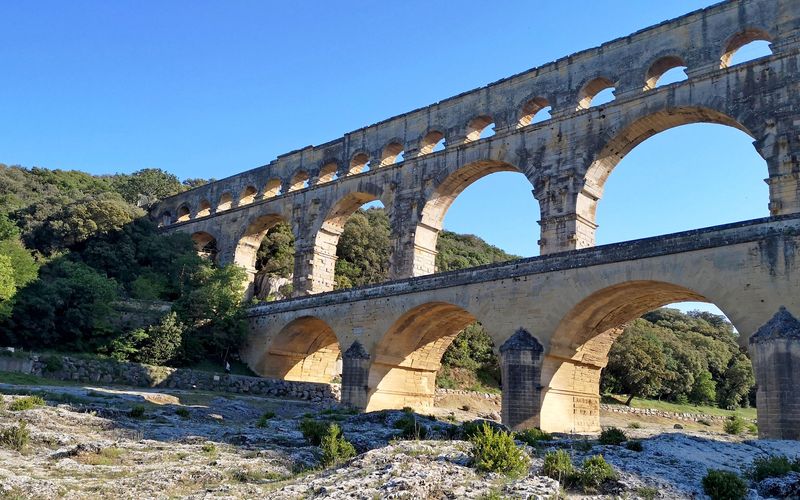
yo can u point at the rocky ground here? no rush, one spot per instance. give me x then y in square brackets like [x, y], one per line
[88, 443]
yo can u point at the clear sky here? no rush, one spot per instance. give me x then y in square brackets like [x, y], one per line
[208, 89]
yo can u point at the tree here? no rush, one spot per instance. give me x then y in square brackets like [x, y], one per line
[636, 363]
[144, 187]
[459, 251]
[363, 250]
[736, 384]
[276, 254]
[7, 287]
[704, 391]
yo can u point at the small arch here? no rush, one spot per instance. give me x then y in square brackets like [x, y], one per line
[165, 218]
[184, 214]
[590, 94]
[661, 72]
[299, 181]
[358, 164]
[205, 208]
[248, 195]
[433, 141]
[272, 188]
[392, 153]
[532, 109]
[477, 128]
[753, 38]
[328, 173]
[305, 350]
[206, 245]
[225, 202]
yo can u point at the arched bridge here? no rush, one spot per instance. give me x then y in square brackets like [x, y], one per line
[557, 324]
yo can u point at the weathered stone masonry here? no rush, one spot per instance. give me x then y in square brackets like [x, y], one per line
[572, 301]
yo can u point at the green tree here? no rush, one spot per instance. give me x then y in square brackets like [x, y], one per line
[734, 387]
[636, 363]
[163, 341]
[363, 249]
[7, 286]
[276, 254]
[459, 251]
[144, 187]
[704, 391]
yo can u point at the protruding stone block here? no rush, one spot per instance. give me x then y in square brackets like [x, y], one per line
[355, 376]
[775, 349]
[521, 368]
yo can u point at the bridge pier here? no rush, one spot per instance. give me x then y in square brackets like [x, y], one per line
[775, 350]
[521, 369]
[355, 376]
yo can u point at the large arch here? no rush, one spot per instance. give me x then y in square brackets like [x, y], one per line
[579, 347]
[305, 350]
[205, 244]
[248, 242]
[408, 356]
[436, 205]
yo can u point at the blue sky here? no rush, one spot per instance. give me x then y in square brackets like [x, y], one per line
[207, 89]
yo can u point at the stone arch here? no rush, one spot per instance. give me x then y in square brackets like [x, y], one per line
[590, 89]
[619, 142]
[430, 140]
[205, 208]
[305, 350]
[476, 126]
[248, 195]
[183, 214]
[328, 172]
[391, 152]
[205, 244]
[530, 109]
[438, 202]
[358, 163]
[272, 188]
[659, 67]
[249, 241]
[299, 181]
[579, 347]
[164, 218]
[225, 202]
[739, 40]
[408, 356]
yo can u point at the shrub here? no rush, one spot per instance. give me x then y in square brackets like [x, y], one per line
[772, 466]
[634, 445]
[17, 437]
[137, 411]
[583, 445]
[594, 472]
[734, 425]
[612, 436]
[313, 430]
[410, 428]
[724, 485]
[209, 449]
[53, 364]
[182, 412]
[265, 418]
[703, 421]
[558, 465]
[752, 428]
[647, 492]
[495, 451]
[26, 403]
[335, 448]
[634, 425]
[533, 436]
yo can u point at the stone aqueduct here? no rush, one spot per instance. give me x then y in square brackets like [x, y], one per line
[553, 317]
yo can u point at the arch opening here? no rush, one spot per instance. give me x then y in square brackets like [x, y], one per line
[272, 188]
[165, 218]
[359, 163]
[274, 265]
[664, 71]
[392, 153]
[480, 127]
[225, 202]
[328, 173]
[596, 92]
[409, 356]
[249, 243]
[248, 195]
[206, 245]
[183, 214]
[432, 142]
[305, 350]
[580, 346]
[746, 46]
[535, 111]
[205, 208]
[299, 181]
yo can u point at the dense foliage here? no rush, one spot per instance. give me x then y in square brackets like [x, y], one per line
[72, 245]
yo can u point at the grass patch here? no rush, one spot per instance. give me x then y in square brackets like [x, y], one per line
[210, 449]
[15, 438]
[26, 403]
[106, 456]
[746, 413]
[237, 368]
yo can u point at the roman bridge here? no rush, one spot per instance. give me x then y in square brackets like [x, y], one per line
[553, 319]
[417, 163]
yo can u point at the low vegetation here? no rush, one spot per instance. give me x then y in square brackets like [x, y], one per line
[724, 485]
[15, 437]
[335, 448]
[612, 436]
[26, 403]
[734, 425]
[533, 436]
[772, 466]
[313, 430]
[410, 427]
[496, 451]
[590, 477]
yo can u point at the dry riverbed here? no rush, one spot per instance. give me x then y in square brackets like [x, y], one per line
[95, 442]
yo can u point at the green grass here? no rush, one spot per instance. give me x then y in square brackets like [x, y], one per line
[237, 368]
[25, 379]
[748, 413]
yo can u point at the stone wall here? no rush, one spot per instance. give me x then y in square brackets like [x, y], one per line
[102, 371]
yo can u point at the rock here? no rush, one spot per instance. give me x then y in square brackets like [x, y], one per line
[787, 486]
[677, 426]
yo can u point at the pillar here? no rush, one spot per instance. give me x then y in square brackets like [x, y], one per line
[775, 351]
[567, 205]
[521, 368]
[355, 376]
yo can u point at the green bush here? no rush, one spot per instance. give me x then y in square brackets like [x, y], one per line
[703, 421]
[612, 436]
[594, 472]
[558, 465]
[182, 412]
[53, 363]
[137, 411]
[26, 403]
[265, 418]
[583, 445]
[15, 438]
[533, 436]
[734, 425]
[752, 429]
[313, 430]
[410, 428]
[335, 448]
[634, 445]
[495, 451]
[772, 466]
[724, 485]
[634, 425]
